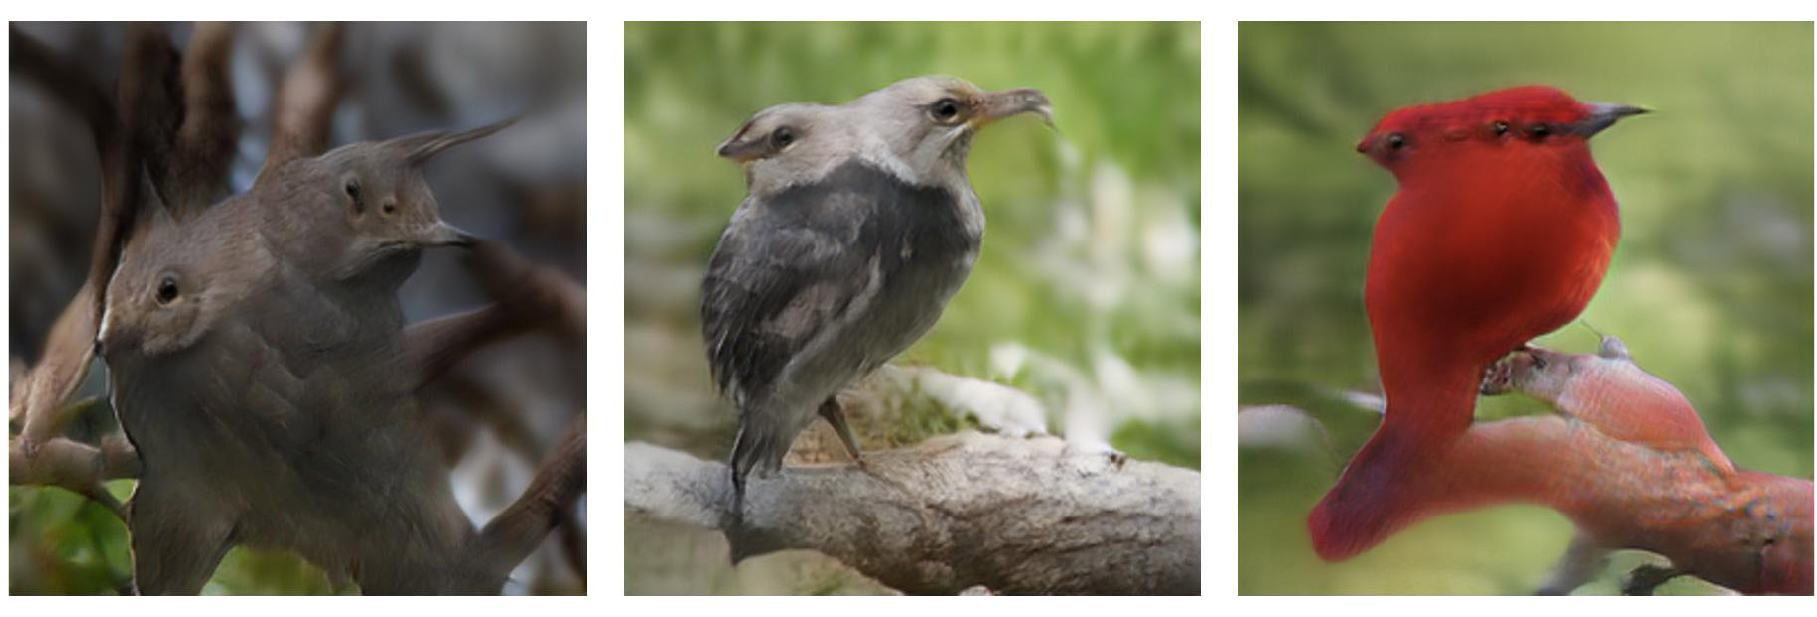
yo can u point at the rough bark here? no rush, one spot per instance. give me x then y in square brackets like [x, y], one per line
[1012, 515]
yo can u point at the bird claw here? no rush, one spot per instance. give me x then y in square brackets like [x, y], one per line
[1498, 378]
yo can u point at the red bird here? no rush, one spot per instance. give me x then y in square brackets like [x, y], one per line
[1500, 232]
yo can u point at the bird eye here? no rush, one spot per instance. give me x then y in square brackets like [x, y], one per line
[353, 192]
[390, 207]
[782, 137]
[1395, 141]
[1539, 131]
[167, 289]
[944, 110]
[1501, 128]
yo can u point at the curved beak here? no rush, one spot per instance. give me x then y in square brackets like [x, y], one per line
[1604, 115]
[999, 105]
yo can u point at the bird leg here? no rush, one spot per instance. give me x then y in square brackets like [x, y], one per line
[830, 410]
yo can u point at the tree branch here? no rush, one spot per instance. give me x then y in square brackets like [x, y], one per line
[305, 101]
[211, 122]
[1013, 515]
[511, 536]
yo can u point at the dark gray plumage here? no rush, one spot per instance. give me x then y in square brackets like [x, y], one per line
[859, 225]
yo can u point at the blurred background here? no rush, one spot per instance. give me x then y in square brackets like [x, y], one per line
[1710, 286]
[526, 186]
[1086, 295]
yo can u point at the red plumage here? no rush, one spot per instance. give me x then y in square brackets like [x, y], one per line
[1500, 232]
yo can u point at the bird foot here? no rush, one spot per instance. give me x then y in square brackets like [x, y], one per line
[1499, 377]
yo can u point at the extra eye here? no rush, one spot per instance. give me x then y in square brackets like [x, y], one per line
[389, 207]
[944, 110]
[167, 289]
[1395, 141]
[782, 137]
[1501, 128]
[352, 187]
[1539, 131]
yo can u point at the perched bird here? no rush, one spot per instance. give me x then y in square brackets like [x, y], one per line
[859, 225]
[267, 413]
[1500, 232]
[258, 364]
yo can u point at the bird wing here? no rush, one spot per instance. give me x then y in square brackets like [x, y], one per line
[783, 273]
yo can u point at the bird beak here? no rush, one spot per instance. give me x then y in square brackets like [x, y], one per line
[999, 105]
[740, 149]
[1604, 115]
[443, 234]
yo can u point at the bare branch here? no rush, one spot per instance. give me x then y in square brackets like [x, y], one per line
[305, 102]
[211, 123]
[151, 103]
[1013, 515]
[511, 536]
[526, 295]
[536, 292]
[73, 465]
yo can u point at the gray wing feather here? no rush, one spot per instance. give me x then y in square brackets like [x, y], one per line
[781, 275]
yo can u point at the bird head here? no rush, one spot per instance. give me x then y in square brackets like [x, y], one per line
[918, 129]
[384, 200]
[173, 282]
[1523, 120]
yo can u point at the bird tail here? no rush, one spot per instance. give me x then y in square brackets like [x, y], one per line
[1370, 500]
[1386, 485]
[757, 448]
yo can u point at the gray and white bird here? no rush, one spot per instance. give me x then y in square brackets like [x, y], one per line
[859, 225]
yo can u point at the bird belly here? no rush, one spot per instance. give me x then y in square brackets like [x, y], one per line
[905, 308]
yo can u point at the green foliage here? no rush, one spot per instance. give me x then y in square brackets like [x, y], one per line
[1710, 288]
[63, 543]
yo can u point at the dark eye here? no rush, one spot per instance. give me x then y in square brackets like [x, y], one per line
[353, 192]
[1395, 141]
[167, 289]
[390, 207]
[1501, 128]
[1539, 131]
[944, 109]
[782, 137]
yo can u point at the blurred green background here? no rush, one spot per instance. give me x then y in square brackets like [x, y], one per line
[1710, 286]
[1086, 294]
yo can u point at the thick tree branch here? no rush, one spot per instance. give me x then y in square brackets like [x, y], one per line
[1013, 515]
